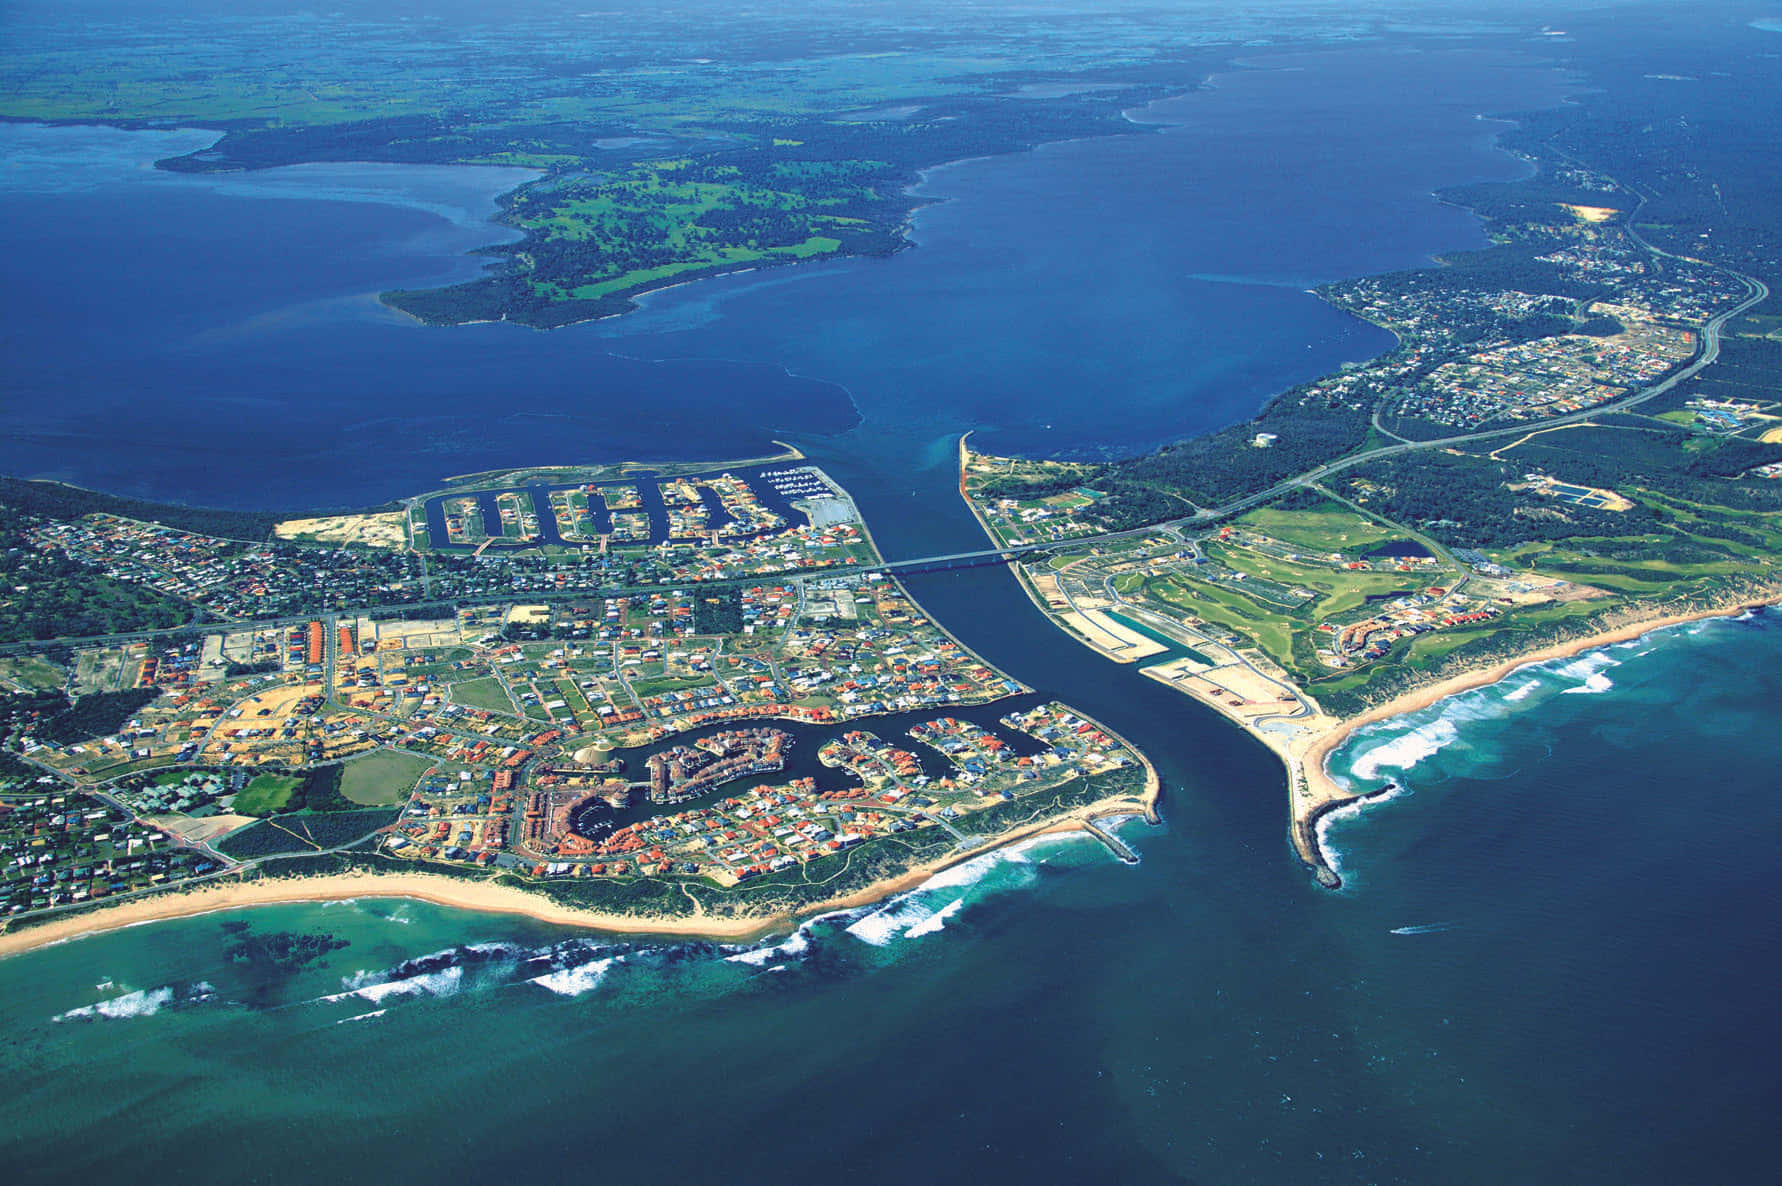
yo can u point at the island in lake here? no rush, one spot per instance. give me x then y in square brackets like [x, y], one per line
[696, 691]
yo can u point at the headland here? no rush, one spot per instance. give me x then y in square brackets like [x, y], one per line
[1552, 458]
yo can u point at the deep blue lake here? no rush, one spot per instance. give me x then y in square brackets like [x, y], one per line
[216, 340]
[1554, 958]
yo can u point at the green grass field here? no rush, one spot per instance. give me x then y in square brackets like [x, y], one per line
[485, 692]
[1335, 530]
[266, 794]
[1218, 605]
[658, 685]
[383, 778]
[32, 672]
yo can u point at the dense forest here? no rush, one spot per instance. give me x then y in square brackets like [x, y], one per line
[96, 714]
[1467, 502]
[54, 500]
[1223, 466]
[718, 611]
[20, 713]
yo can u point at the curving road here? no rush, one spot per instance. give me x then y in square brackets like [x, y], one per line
[1756, 293]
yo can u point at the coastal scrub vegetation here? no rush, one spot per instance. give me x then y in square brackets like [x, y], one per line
[301, 834]
[96, 714]
[55, 500]
[47, 594]
[1535, 521]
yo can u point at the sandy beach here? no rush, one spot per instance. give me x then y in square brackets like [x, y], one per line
[913, 879]
[336, 887]
[1323, 793]
[489, 898]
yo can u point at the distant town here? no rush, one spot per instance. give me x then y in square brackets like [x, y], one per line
[1538, 461]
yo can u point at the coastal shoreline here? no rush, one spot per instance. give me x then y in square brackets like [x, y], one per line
[485, 897]
[249, 888]
[1312, 793]
[1324, 795]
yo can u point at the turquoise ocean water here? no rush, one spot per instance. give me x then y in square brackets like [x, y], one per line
[1551, 961]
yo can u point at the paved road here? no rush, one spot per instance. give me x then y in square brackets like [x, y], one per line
[1756, 293]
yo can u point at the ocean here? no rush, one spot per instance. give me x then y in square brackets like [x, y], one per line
[1552, 957]
[1553, 961]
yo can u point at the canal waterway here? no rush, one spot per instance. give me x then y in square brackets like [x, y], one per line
[801, 761]
[1554, 955]
[777, 486]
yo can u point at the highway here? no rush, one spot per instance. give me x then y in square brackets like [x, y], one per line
[1756, 293]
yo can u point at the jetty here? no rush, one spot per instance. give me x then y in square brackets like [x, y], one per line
[1115, 845]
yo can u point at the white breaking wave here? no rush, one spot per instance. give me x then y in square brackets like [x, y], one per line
[937, 922]
[1522, 692]
[975, 870]
[1584, 666]
[1596, 683]
[882, 926]
[796, 945]
[1016, 858]
[1478, 704]
[1402, 753]
[362, 1016]
[573, 982]
[442, 983]
[143, 1003]
[912, 915]
[1348, 811]
[444, 953]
